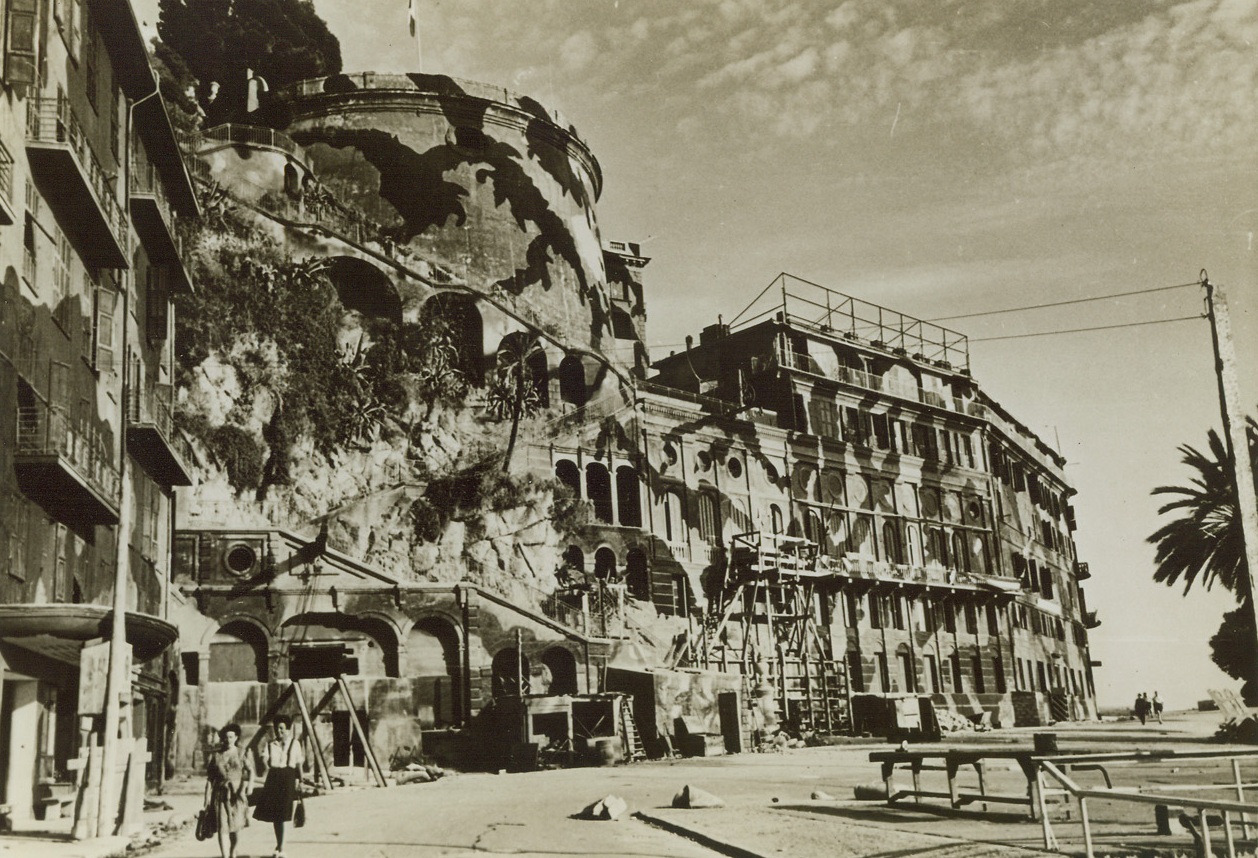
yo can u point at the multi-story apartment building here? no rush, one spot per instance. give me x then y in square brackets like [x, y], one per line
[91, 180]
[857, 518]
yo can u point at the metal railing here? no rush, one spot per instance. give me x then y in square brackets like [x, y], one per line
[1238, 810]
[155, 407]
[232, 134]
[44, 430]
[6, 174]
[788, 357]
[146, 181]
[51, 120]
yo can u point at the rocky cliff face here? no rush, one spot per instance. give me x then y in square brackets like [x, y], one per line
[305, 414]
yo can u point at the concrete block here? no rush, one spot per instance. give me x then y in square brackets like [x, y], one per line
[694, 798]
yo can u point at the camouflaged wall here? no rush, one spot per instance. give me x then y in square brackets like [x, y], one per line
[490, 186]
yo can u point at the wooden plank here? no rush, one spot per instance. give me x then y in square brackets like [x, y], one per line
[320, 763]
[362, 734]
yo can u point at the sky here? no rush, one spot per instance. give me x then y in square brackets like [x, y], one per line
[940, 159]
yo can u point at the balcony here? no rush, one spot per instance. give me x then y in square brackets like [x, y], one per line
[151, 437]
[155, 223]
[66, 466]
[74, 183]
[1091, 620]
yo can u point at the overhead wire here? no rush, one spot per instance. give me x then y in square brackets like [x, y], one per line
[1065, 303]
[1083, 330]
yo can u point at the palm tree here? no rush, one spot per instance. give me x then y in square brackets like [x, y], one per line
[514, 392]
[1205, 543]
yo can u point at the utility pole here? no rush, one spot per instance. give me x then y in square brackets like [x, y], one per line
[1235, 435]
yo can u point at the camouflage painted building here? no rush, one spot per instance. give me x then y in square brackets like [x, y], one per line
[798, 521]
[91, 182]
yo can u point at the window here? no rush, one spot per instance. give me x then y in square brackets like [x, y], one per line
[855, 672]
[932, 674]
[775, 518]
[1046, 583]
[950, 618]
[673, 518]
[598, 486]
[89, 56]
[938, 546]
[875, 611]
[897, 612]
[928, 615]
[157, 303]
[856, 428]
[971, 619]
[883, 439]
[976, 668]
[1019, 677]
[907, 670]
[884, 671]
[709, 518]
[958, 686]
[106, 302]
[825, 418]
[959, 555]
[993, 620]
[998, 671]
[566, 472]
[21, 31]
[1041, 675]
[891, 542]
[628, 502]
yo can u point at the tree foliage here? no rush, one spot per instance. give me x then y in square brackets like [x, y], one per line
[1204, 543]
[283, 41]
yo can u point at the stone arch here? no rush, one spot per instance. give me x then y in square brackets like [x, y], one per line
[638, 575]
[238, 653]
[363, 287]
[324, 644]
[433, 661]
[598, 488]
[622, 324]
[507, 679]
[572, 387]
[605, 564]
[462, 319]
[567, 472]
[563, 669]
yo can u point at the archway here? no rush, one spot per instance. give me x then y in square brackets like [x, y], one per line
[363, 287]
[563, 670]
[456, 316]
[566, 472]
[510, 673]
[604, 564]
[322, 645]
[598, 488]
[572, 380]
[238, 653]
[432, 659]
[517, 345]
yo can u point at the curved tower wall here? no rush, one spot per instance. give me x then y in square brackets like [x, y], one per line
[490, 186]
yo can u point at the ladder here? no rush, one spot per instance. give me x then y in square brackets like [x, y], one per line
[633, 739]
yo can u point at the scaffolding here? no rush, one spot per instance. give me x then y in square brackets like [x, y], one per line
[768, 622]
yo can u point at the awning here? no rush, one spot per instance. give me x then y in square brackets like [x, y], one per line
[57, 630]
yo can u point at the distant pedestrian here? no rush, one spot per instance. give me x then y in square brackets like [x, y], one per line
[227, 785]
[1157, 707]
[283, 758]
[1142, 707]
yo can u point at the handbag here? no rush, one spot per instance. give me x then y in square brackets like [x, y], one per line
[299, 815]
[207, 823]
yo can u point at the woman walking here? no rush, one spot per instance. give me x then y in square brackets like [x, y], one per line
[227, 786]
[283, 759]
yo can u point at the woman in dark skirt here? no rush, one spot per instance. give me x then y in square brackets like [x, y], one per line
[283, 759]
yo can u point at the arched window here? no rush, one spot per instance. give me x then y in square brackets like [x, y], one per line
[572, 380]
[937, 545]
[563, 670]
[567, 473]
[891, 542]
[539, 371]
[813, 529]
[432, 660]
[604, 564]
[775, 518]
[454, 316]
[960, 556]
[709, 518]
[915, 544]
[628, 500]
[637, 575]
[573, 564]
[507, 678]
[238, 654]
[598, 487]
[674, 518]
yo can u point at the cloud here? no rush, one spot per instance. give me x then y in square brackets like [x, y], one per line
[578, 51]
